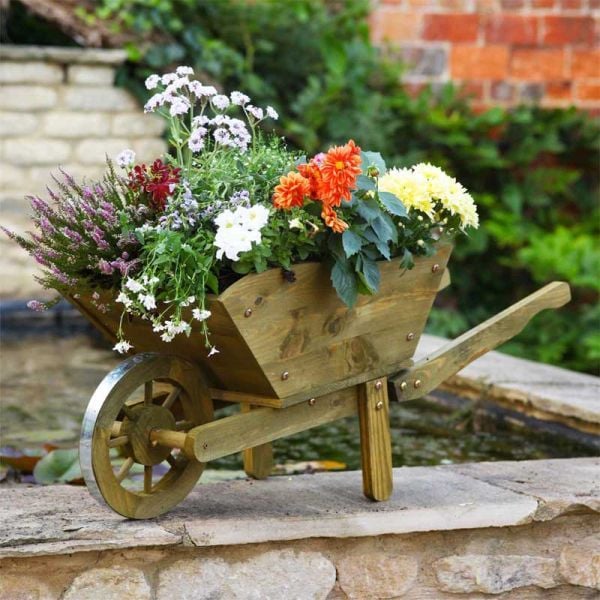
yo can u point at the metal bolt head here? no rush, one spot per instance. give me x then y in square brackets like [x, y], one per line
[417, 383]
[204, 446]
[410, 336]
[248, 312]
[435, 268]
[379, 405]
[312, 401]
[285, 375]
[378, 385]
[403, 385]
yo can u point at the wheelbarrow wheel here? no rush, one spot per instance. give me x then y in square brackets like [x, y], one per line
[121, 466]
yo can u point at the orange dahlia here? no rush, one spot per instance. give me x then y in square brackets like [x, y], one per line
[332, 220]
[312, 172]
[291, 191]
[340, 168]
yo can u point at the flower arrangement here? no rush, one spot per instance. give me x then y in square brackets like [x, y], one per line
[232, 199]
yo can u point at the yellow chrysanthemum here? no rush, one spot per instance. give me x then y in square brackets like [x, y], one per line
[424, 186]
[410, 187]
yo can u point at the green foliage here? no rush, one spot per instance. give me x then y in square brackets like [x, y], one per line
[533, 171]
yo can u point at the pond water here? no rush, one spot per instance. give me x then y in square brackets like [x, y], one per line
[46, 382]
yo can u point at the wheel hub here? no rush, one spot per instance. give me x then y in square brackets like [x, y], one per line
[143, 420]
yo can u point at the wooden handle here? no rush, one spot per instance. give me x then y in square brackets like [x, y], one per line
[426, 374]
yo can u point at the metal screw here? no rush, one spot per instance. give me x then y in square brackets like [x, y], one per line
[285, 375]
[379, 405]
[435, 268]
[378, 385]
[410, 336]
[248, 312]
[417, 383]
[312, 401]
[403, 385]
[204, 446]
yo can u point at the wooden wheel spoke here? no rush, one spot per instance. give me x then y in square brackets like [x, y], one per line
[148, 393]
[170, 399]
[184, 425]
[118, 441]
[116, 429]
[124, 470]
[147, 479]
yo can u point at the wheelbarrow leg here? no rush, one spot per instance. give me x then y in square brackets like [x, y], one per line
[258, 461]
[375, 442]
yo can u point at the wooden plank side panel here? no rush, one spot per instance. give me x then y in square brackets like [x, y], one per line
[234, 367]
[305, 339]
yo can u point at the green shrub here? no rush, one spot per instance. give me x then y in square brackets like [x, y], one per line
[533, 172]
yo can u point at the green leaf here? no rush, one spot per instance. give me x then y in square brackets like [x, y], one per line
[352, 242]
[370, 275]
[392, 204]
[372, 159]
[344, 282]
[368, 210]
[407, 261]
[365, 183]
[58, 466]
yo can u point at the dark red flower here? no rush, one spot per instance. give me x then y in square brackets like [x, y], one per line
[156, 181]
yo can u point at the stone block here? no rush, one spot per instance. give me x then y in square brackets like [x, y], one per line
[148, 149]
[376, 575]
[12, 177]
[91, 75]
[17, 587]
[137, 125]
[76, 125]
[580, 563]
[30, 72]
[90, 98]
[14, 124]
[494, 574]
[113, 582]
[27, 151]
[40, 177]
[94, 152]
[27, 97]
[272, 575]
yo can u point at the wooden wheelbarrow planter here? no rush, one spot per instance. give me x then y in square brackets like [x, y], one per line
[294, 357]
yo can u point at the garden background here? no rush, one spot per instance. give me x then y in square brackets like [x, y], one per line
[481, 88]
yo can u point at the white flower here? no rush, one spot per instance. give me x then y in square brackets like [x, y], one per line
[167, 337]
[226, 219]
[272, 113]
[154, 102]
[239, 99]
[184, 71]
[148, 300]
[133, 285]
[256, 112]
[168, 78]
[123, 298]
[179, 106]
[157, 326]
[230, 241]
[189, 300]
[253, 218]
[295, 223]
[220, 101]
[152, 81]
[213, 351]
[125, 158]
[201, 315]
[122, 347]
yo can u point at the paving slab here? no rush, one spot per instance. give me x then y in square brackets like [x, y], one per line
[37, 521]
[547, 388]
[560, 486]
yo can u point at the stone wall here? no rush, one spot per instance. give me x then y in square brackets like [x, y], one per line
[60, 107]
[514, 530]
[503, 51]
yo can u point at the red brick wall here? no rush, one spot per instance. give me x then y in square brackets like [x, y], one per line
[504, 51]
